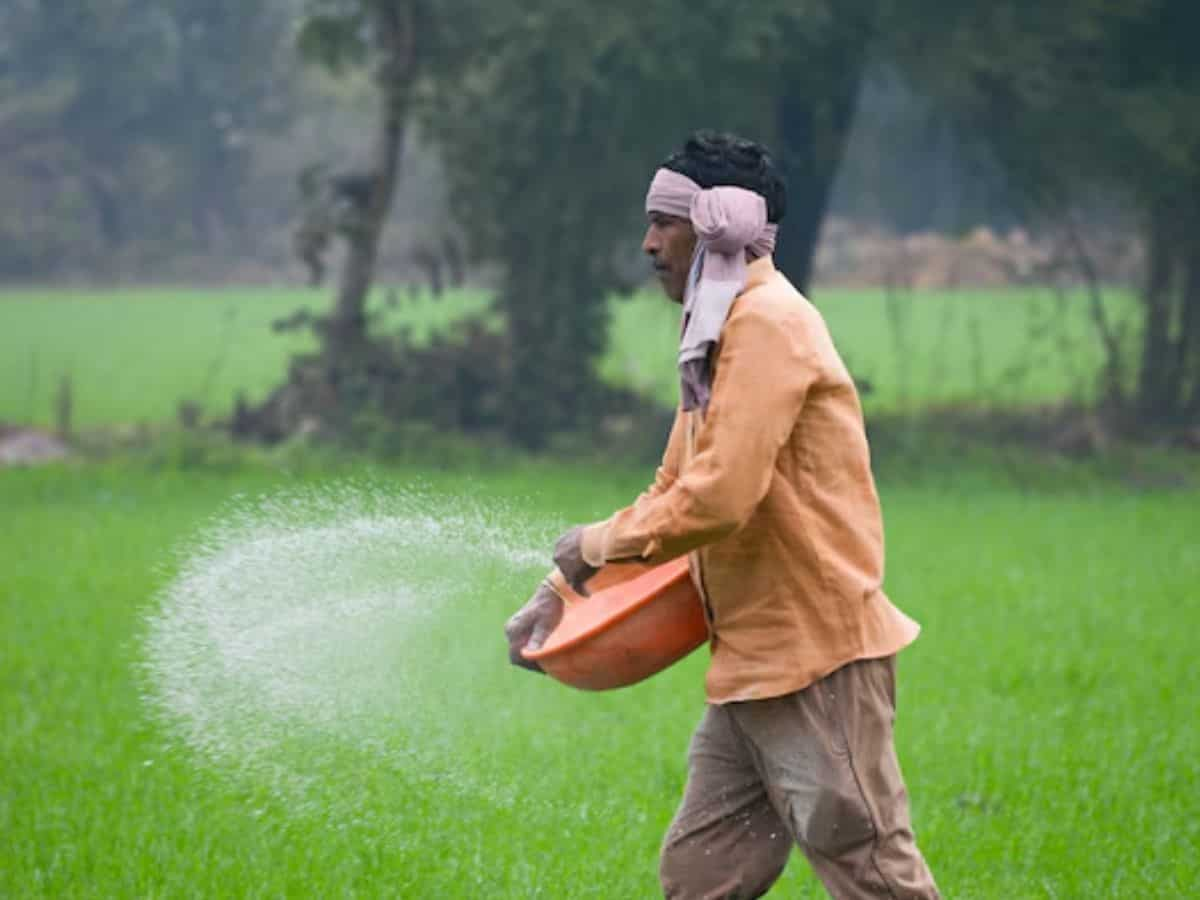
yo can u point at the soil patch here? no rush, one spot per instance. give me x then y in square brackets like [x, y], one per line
[21, 446]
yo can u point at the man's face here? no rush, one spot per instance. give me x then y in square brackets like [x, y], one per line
[670, 242]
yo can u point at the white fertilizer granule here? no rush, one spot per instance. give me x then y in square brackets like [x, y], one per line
[298, 630]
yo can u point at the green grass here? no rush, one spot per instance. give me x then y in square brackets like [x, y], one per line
[134, 355]
[1047, 714]
[1047, 724]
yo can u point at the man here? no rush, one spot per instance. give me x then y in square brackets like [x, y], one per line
[766, 484]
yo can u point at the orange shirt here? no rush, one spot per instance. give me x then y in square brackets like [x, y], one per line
[771, 494]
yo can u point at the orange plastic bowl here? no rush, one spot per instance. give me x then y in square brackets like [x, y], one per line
[636, 621]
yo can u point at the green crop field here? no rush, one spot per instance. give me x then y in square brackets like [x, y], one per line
[178, 723]
[284, 675]
[134, 355]
[992, 347]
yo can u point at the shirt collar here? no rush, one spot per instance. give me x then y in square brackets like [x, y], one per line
[759, 272]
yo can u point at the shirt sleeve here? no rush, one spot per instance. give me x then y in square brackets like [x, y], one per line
[763, 375]
[664, 476]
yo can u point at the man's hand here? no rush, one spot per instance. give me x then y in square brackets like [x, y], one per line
[531, 625]
[568, 556]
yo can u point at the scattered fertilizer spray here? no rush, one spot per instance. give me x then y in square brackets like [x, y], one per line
[316, 633]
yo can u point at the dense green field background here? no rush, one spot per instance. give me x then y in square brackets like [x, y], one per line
[335, 716]
[134, 355]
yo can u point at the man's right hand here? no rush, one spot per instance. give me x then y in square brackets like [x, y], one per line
[531, 625]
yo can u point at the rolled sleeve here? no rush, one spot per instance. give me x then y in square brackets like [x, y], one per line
[593, 538]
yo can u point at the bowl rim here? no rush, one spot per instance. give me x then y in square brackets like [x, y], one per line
[658, 579]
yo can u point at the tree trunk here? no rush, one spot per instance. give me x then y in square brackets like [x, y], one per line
[1168, 391]
[556, 324]
[813, 133]
[108, 209]
[1154, 375]
[1190, 338]
[346, 329]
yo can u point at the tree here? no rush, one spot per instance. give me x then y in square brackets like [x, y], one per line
[232, 80]
[553, 122]
[817, 58]
[551, 129]
[389, 37]
[115, 115]
[1086, 96]
[62, 125]
[1153, 151]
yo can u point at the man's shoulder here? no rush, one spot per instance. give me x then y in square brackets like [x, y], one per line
[776, 302]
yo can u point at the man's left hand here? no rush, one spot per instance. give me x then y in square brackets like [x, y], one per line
[568, 556]
[532, 624]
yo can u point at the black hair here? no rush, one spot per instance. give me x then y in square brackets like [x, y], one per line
[715, 158]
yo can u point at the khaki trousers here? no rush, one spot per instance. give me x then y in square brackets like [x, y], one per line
[816, 768]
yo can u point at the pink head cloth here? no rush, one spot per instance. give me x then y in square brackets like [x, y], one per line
[729, 223]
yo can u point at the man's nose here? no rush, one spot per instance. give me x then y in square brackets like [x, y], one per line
[650, 243]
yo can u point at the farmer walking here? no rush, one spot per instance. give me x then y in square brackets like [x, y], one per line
[766, 485]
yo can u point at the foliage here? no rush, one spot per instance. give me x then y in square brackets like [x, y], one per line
[1090, 96]
[122, 120]
[813, 60]
[553, 130]
[389, 38]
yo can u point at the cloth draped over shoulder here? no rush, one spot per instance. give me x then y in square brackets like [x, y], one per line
[730, 222]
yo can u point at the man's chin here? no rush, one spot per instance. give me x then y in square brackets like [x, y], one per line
[672, 293]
